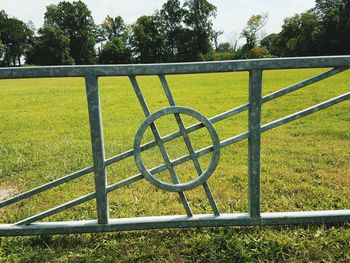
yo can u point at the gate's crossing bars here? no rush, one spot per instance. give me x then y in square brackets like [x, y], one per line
[160, 144]
[253, 217]
[189, 145]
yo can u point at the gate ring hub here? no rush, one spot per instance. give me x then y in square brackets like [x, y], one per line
[181, 186]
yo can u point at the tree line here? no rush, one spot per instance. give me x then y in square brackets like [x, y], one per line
[177, 32]
[323, 30]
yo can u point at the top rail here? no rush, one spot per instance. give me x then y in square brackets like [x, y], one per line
[176, 68]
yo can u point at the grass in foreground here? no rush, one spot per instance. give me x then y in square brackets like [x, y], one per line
[305, 166]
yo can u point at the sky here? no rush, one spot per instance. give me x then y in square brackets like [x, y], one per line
[232, 15]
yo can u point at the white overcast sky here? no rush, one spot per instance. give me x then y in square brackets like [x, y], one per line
[232, 15]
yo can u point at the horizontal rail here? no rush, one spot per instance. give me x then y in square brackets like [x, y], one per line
[175, 68]
[159, 222]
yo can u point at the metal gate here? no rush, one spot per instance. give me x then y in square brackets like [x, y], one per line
[28, 226]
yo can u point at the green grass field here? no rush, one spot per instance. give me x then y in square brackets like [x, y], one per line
[44, 134]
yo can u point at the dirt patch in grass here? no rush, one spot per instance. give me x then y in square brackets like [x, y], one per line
[6, 191]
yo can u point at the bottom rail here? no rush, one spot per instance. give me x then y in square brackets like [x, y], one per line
[160, 222]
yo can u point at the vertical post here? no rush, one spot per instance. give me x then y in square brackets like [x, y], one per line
[98, 151]
[254, 140]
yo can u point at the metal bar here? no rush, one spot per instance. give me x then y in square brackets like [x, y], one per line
[254, 141]
[161, 222]
[305, 112]
[124, 182]
[176, 68]
[98, 151]
[302, 84]
[46, 187]
[78, 201]
[189, 145]
[160, 144]
[57, 209]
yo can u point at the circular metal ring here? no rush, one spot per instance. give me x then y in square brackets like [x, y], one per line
[181, 186]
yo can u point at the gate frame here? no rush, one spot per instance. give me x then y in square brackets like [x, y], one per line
[254, 215]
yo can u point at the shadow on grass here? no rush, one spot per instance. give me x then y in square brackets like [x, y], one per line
[227, 244]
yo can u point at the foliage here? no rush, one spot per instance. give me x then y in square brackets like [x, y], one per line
[259, 52]
[2, 49]
[179, 31]
[323, 30]
[269, 41]
[75, 20]
[172, 16]
[51, 47]
[117, 49]
[334, 26]
[198, 17]
[215, 35]
[114, 27]
[225, 47]
[115, 52]
[221, 55]
[16, 37]
[297, 37]
[253, 27]
[147, 39]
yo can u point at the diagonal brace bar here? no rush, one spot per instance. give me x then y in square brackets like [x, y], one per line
[189, 145]
[160, 144]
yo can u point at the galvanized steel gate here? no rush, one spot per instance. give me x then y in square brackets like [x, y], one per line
[253, 217]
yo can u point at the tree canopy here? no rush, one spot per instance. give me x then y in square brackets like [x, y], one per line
[178, 31]
[50, 47]
[15, 39]
[75, 20]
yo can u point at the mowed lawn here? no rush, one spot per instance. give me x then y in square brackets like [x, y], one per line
[44, 134]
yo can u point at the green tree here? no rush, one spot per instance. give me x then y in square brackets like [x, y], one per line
[115, 52]
[75, 20]
[298, 37]
[117, 49]
[172, 15]
[215, 35]
[252, 29]
[334, 26]
[147, 39]
[225, 47]
[16, 37]
[259, 52]
[2, 50]
[198, 17]
[114, 27]
[269, 41]
[51, 47]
